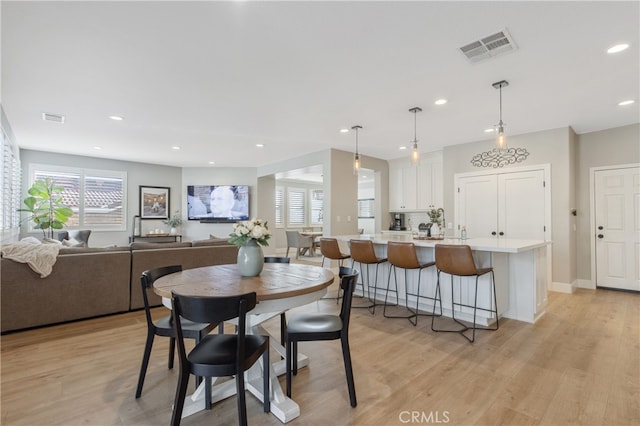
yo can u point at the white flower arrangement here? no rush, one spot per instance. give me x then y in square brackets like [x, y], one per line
[246, 230]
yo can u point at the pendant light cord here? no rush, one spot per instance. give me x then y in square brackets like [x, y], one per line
[501, 104]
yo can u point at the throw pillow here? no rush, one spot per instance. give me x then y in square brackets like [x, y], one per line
[51, 241]
[71, 242]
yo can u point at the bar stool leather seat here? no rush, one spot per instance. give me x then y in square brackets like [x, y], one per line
[330, 249]
[363, 252]
[404, 256]
[457, 260]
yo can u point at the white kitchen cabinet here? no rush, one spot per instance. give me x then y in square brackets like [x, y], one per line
[503, 204]
[429, 186]
[415, 188]
[402, 188]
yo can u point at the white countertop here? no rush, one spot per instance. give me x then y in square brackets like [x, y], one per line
[500, 245]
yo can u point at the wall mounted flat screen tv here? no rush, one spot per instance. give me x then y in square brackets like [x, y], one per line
[218, 203]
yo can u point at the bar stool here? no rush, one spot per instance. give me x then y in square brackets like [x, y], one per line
[331, 250]
[458, 260]
[404, 256]
[362, 251]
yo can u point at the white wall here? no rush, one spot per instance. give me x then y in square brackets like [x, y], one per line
[609, 147]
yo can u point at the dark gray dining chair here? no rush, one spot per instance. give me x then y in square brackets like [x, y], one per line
[218, 355]
[319, 326]
[164, 326]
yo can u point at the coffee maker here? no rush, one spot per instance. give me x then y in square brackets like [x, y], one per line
[398, 222]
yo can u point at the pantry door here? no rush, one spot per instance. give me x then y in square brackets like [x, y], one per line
[521, 205]
[617, 227]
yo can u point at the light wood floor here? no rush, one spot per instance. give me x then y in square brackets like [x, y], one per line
[580, 364]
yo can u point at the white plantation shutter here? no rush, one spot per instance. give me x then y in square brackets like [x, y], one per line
[296, 206]
[317, 205]
[97, 197]
[279, 207]
[365, 208]
[10, 184]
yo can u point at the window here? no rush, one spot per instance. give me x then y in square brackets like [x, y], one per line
[365, 208]
[317, 205]
[97, 197]
[296, 206]
[10, 184]
[279, 207]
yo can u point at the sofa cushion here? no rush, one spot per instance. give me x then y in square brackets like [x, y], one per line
[211, 242]
[84, 250]
[148, 246]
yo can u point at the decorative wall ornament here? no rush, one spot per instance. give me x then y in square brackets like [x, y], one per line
[500, 157]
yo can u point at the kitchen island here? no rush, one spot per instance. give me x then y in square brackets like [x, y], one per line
[520, 268]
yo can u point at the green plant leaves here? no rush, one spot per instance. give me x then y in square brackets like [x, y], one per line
[46, 207]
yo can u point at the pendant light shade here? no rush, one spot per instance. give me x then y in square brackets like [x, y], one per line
[501, 140]
[356, 156]
[415, 155]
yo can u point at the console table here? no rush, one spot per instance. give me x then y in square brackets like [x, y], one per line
[156, 238]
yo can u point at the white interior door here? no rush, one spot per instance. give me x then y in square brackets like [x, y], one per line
[617, 221]
[477, 205]
[521, 205]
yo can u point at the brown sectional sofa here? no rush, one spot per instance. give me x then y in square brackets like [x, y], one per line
[190, 255]
[89, 282]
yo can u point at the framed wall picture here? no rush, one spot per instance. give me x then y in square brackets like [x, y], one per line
[154, 202]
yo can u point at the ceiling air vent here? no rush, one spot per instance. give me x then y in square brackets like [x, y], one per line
[55, 118]
[488, 47]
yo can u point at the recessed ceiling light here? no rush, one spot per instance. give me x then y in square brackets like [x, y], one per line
[177, 148]
[344, 130]
[403, 147]
[260, 145]
[489, 130]
[116, 117]
[627, 102]
[440, 102]
[212, 162]
[618, 48]
[98, 148]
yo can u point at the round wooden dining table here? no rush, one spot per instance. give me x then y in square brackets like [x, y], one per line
[279, 287]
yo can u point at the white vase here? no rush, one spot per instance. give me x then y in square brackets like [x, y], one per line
[173, 231]
[250, 259]
[435, 230]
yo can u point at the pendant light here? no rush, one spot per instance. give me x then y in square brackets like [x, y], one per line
[501, 140]
[356, 156]
[415, 155]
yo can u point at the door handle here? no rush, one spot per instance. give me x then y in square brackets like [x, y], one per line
[493, 233]
[600, 228]
[501, 233]
[600, 236]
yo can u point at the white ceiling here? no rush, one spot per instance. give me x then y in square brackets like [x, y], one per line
[216, 78]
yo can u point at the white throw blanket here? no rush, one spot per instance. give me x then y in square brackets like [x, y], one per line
[39, 257]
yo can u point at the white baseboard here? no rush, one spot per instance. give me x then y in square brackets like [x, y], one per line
[561, 287]
[588, 284]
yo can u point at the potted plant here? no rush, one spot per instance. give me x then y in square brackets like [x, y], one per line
[45, 207]
[173, 222]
